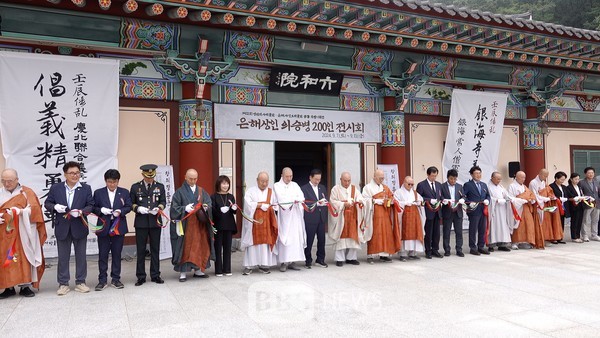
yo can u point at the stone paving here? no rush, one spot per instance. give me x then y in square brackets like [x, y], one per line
[551, 292]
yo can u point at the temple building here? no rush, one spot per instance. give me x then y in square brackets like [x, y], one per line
[185, 63]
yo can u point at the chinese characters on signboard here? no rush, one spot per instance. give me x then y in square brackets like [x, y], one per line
[297, 80]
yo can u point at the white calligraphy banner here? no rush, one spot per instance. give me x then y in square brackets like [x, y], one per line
[391, 176]
[56, 109]
[474, 132]
[164, 175]
[291, 124]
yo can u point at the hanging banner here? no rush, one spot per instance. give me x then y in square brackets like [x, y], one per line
[56, 109]
[164, 175]
[474, 132]
[305, 81]
[391, 176]
[290, 124]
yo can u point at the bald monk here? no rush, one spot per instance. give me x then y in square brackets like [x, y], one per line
[412, 219]
[382, 231]
[528, 229]
[550, 220]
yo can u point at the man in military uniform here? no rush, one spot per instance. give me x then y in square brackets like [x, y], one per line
[148, 197]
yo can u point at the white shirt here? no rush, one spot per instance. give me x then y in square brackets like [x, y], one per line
[111, 196]
[452, 189]
[70, 193]
[315, 189]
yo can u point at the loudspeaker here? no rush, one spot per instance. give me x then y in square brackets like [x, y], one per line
[513, 167]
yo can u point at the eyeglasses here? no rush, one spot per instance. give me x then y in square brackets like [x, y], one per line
[74, 173]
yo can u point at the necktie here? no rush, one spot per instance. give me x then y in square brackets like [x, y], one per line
[432, 187]
[148, 187]
[479, 188]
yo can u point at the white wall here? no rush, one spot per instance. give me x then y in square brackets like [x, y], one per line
[427, 142]
[558, 157]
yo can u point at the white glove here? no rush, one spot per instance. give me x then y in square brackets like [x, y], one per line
[224, 209]
[14, 208]
[472, 205]
[486, 202]
[545, 199]
[154, 211]
[321, 202]
[378, 201]
[116, 213]
[105, 211]
[234, 207]
[75, 213]
[576, 198]
[433, 201]
[264, 207]
[142, 210]
[501, 201]
[563, 199]
[592, 199]
[461, 201]
[189, 208]
[61, 209]
[445, 201]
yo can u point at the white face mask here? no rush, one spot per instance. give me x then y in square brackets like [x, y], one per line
[224, 209]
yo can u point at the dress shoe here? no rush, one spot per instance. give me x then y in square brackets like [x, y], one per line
[321, 264]
[447, 253]
[403, 259]
[200, 276]
[474, 252]
[140, 281]
[370, 260]
[26, 292]
[339, 263]
[246, 271]
[491, 249]
[416, 258]
[352, 262]
[437, 254]
[428, 256]
[292, 266]
[561, 242]
[307, 266]
[8, 293]
[503, 248]
[484, 251]
[385, 259]
[554, 242]
[266, 271]
[460, 254]
[158, 280]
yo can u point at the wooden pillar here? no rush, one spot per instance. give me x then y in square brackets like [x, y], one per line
[534, 157]
[196, 136]
[393, 150]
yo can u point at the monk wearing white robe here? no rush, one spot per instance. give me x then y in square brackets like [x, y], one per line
[528, 229]
[291, 240]
[536, 186]
[382, 231]
[500, 214]
[259, 236]
[412, 219]
[344, 229]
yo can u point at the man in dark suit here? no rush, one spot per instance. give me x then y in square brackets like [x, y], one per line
[316, 220]
[560, 192]
[69, 202]
[148, 198]
[111, 203]
[430, 190]
[477, 192]
[452, 193]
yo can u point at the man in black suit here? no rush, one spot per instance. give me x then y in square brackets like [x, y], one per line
[477, 192]
[111, 203]
[69, 202]
[148, 197]
[560, 191]
[452, 193]
[431, 190]
[316, 220]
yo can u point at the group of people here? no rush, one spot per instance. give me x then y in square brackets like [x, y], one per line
[280, 224]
